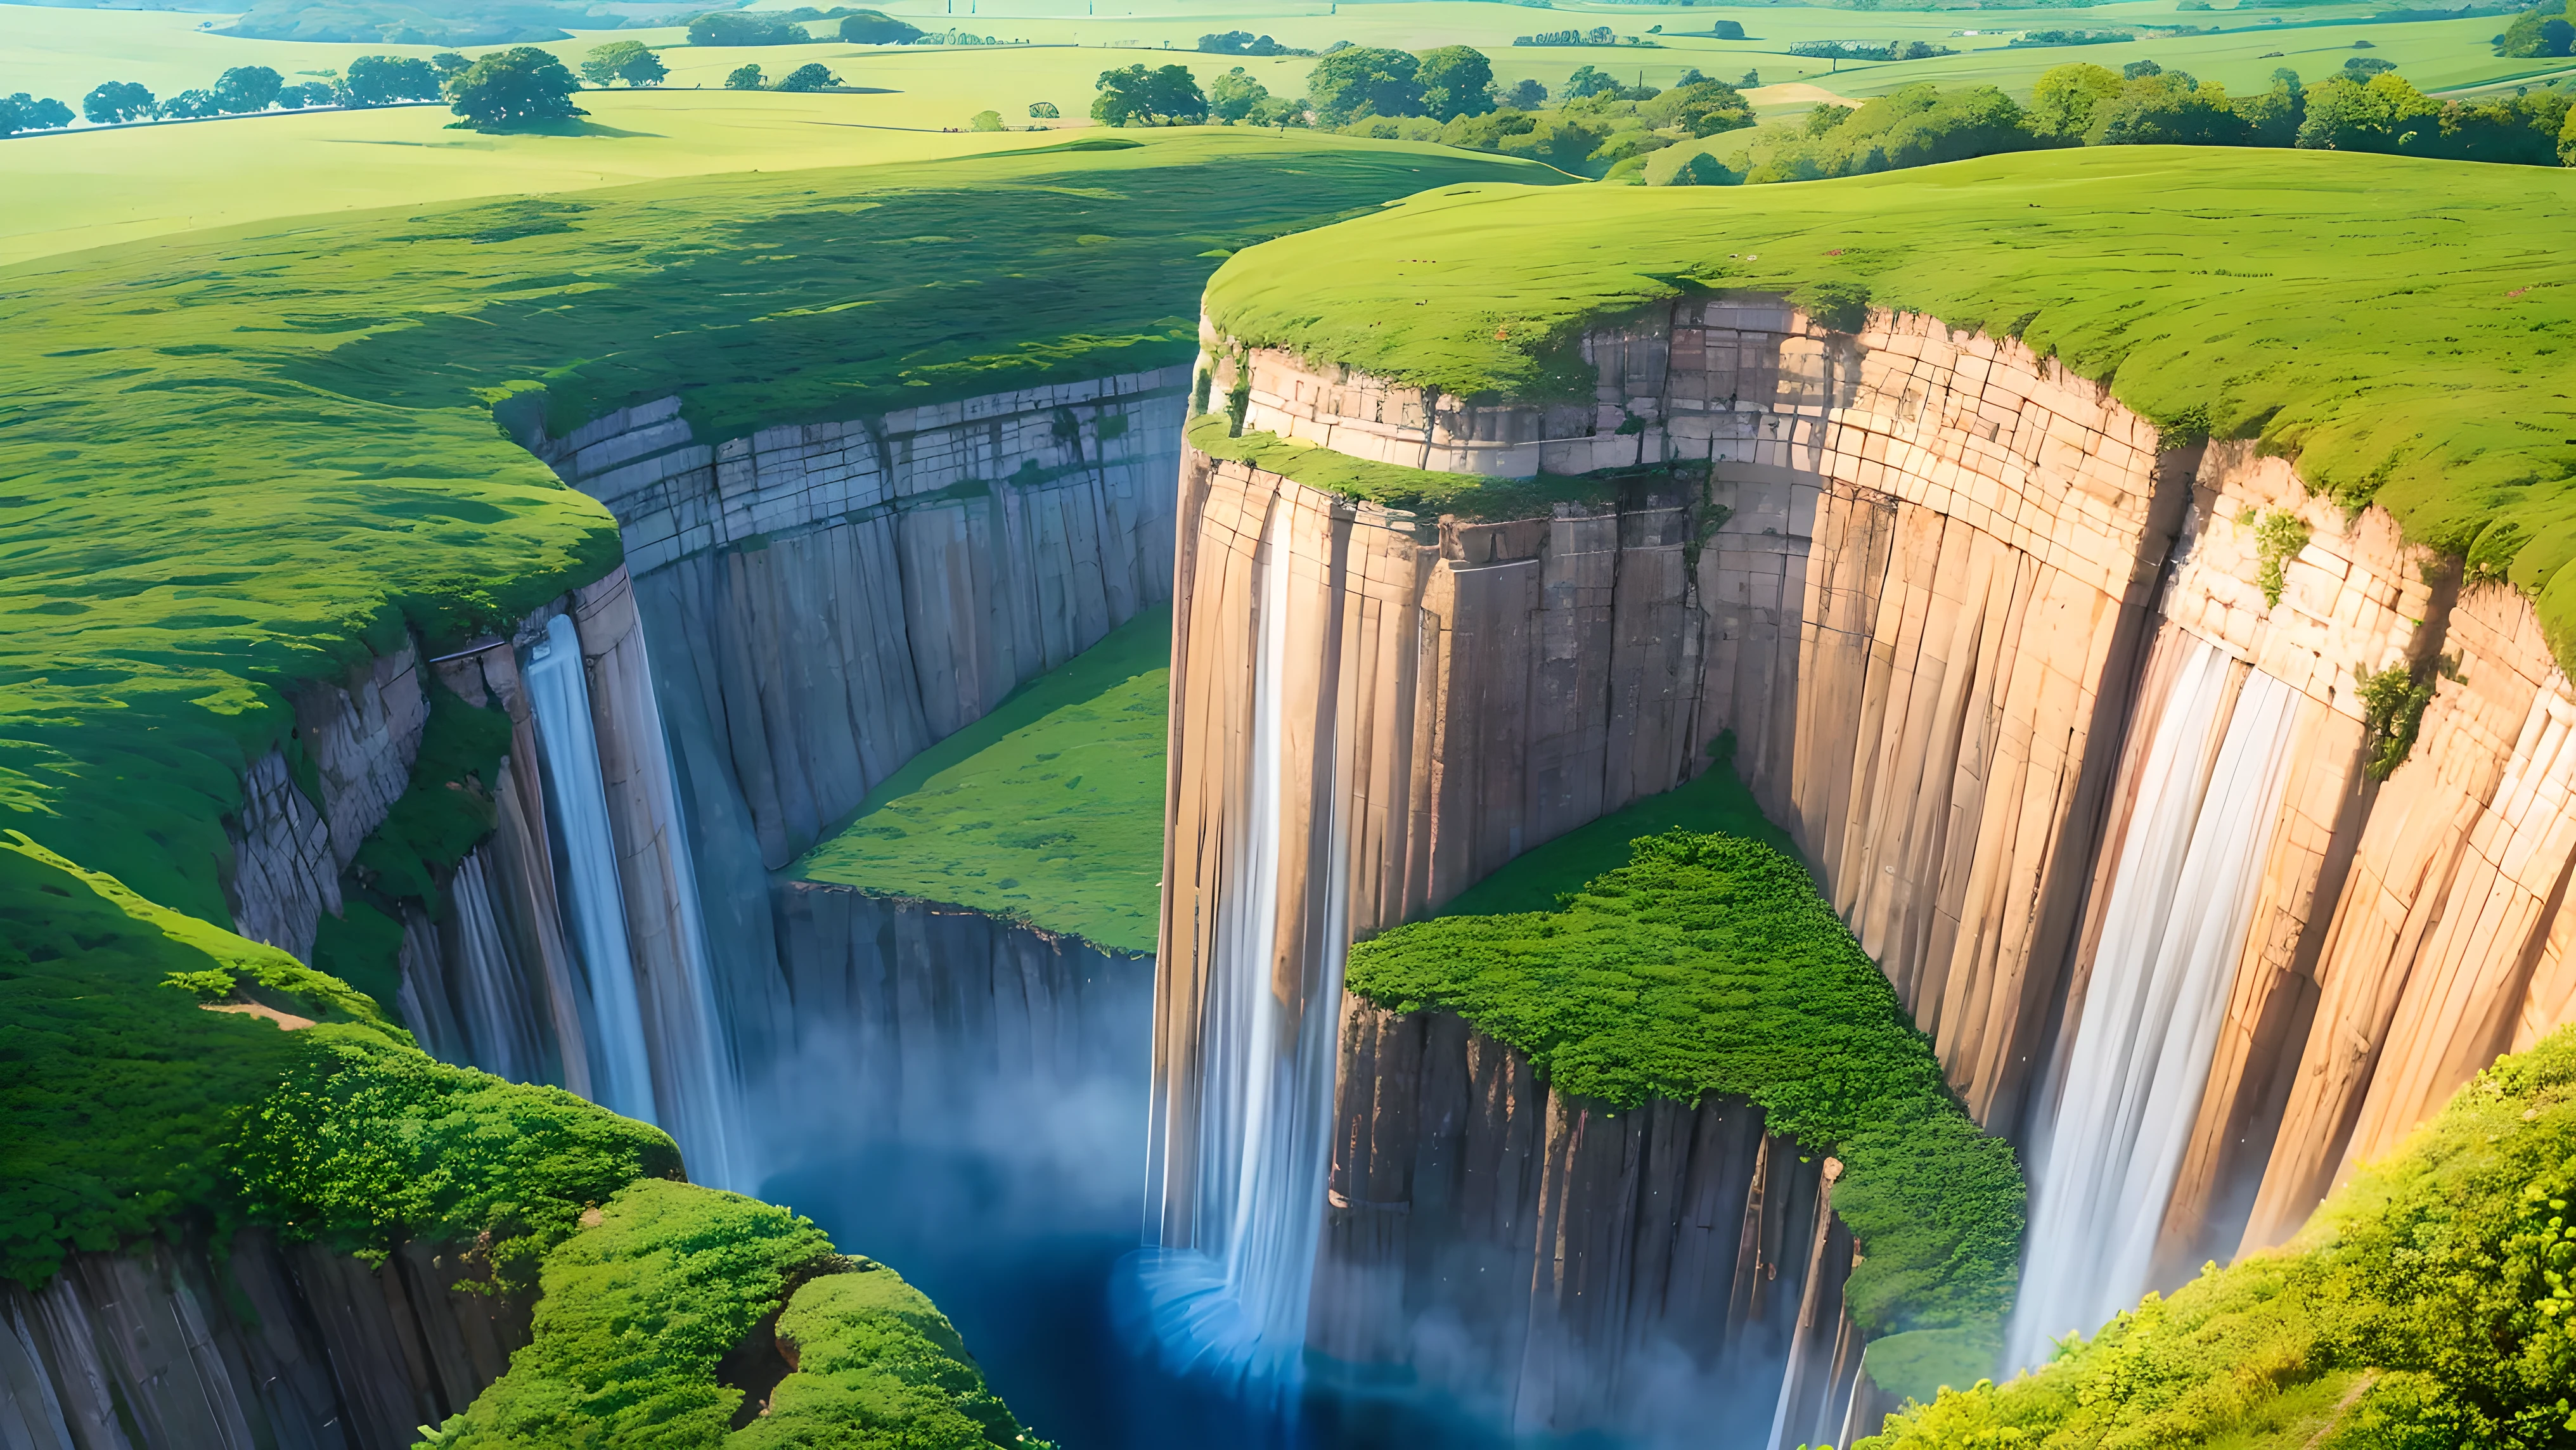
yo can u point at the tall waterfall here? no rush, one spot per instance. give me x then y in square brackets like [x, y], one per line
[2190, 869]
[1234, 1301]
[594, 904]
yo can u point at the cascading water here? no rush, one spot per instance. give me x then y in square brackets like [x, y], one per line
[500, 1037]
[612, 1016]
[2190, 870]
[1233, 1302]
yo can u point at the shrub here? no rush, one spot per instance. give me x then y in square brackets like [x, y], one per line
[1706, 108]
[743, 78]
[2392, 711]
[1525, 95]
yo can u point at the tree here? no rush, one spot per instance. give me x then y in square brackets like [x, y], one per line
[1241, 42]
[247, 88]
[2062, 101]
[743, 78]
[448, 63]
[1044, 111]
[631, 61]
[1706, 108]
[2363, 67]
[514, 87]
[1362, 81]
[1279, 111]
[2540, 31]
[985, 121]
[875, 27]
[297, 97]
[381, 80]
[1165, 96]
[2384, 113]
[741, 27]
[2272, 119]
[1525, 96]
[23, 112]
[118, 101]
[2169, 109]
[1456, 80]
[1587, 83]
[191, 105]
[1232, 95]
[811, 76]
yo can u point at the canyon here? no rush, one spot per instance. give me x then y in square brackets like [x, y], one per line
[2077, 727]
[2212, 833]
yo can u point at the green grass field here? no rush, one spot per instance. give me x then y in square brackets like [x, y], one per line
[2403, 328]
[1049, 810]
[241, 462]
[86, 189]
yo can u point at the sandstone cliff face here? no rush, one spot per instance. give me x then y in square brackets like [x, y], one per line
[824, 601]
[152, 1348]
[1568, 1266]
[2008, 673]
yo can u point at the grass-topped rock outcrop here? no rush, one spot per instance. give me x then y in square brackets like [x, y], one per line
[1709, 964]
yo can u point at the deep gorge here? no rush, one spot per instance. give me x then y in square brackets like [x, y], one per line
[2212, 834]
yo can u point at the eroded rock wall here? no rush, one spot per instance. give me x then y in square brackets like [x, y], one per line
[266, 1347]
[1941, 593]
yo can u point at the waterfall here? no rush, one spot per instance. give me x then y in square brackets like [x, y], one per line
[499, 1029]
[613, 1019]
[2175, 925]
[1234, 1302]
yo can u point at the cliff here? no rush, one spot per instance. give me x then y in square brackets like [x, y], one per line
[2022, 682]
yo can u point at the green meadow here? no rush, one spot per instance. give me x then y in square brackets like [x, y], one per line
[1048, 810]
[244, 462]
[90, 187]
[2402, 328]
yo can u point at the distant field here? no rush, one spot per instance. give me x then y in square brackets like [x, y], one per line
[74, 191]
[1049, 810]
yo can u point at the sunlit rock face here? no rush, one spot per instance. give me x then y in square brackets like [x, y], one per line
[2073, 730]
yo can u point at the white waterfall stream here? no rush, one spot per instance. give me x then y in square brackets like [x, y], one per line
[594, 903]
[1234, 1302]
[499, 1036]
[2173, 930]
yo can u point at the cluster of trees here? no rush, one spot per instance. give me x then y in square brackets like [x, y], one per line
[2543, 30]
[2366, 107]
[1597, 35]
[745, 27]
[371, 80]
[1244, 42]
[1869, 50]
[516, 87]
[788, 27]
[2035, 38]
[1360, 82]
[23, 112]
[1598, 124]
[1152, 96]
[811, 76]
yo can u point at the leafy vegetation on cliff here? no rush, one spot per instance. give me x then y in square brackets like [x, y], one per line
[2400, 327]
[1709, 964]
[656, 1321]
[1049, 810]
[2430, 1302]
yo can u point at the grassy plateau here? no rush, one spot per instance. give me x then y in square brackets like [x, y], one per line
[2404, 329]
[1049, 810]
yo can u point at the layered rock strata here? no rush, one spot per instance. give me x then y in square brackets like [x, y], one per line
[826, 600]
[152, 1347]
[1942, 593]
[1642, 1270]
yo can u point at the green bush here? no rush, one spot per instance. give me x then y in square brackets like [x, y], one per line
[644, 1304]
[2431, 1302]
[1709, 964]
[363, 1143]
